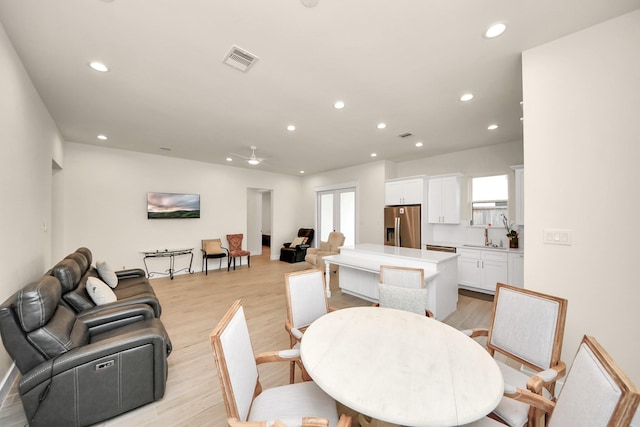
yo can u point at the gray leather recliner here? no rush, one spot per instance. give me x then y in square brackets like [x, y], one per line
[78, 371]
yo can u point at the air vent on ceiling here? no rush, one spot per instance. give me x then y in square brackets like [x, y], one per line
[240, 59]
[405, 135]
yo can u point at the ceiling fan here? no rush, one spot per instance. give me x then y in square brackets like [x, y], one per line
[252, 160]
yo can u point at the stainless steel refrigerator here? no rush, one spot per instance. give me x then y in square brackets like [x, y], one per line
[402, 226]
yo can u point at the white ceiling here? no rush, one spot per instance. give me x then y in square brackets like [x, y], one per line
[402, 62]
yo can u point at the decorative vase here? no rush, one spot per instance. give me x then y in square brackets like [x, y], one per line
[513, 243]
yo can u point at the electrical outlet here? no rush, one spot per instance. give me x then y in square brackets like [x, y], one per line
[554, 236]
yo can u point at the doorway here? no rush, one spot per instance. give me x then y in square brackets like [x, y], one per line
[259, 219]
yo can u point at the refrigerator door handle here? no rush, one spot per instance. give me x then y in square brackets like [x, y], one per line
[397, 232]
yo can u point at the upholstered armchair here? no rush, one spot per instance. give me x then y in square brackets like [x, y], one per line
[296, 250]
[76, 375]
[330, 247]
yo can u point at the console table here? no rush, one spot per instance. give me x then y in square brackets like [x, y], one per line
[171, 254]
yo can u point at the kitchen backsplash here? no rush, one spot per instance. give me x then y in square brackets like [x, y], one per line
[473, 235]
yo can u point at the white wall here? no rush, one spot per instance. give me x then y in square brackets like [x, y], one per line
[581, 153]
[369, 198]
[493, 160]
[28, 140]
[105, 203]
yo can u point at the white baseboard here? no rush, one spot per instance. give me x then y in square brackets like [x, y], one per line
[7, 382]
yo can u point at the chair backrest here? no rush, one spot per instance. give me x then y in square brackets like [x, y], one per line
[527, 326]
[405, 277]
[306, 297]
[212, 246]
[335, 240]
[401, 298]
[235, 241]
[235, 361]
[308, 233]
[596, 392]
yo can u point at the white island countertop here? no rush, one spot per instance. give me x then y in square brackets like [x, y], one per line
[408, 253]
[360, 272]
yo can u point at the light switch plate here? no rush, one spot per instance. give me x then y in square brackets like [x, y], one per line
[554, 236]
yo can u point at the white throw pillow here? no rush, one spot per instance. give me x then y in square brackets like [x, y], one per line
[297, 241]
[107, 274]
[99, 292]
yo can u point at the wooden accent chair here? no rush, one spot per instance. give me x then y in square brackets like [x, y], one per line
[235, 250]
[527, 327]
[403, 288]
[212, 248]
[595, 393]
[306, 302]
[247, 405]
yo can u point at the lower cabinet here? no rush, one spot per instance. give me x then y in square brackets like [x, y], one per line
[482, 269]
[516, 270]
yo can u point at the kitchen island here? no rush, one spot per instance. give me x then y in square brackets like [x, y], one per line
[360, 273]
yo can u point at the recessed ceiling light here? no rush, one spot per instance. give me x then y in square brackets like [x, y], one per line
[102, 137]
[466, 97]
[382, 125]
[229, 159]
[419, 144]
[291, 128]
[301, 171]
[373, 154]
[492, 126]
[98, 66]
[339, 105]
[495, 30]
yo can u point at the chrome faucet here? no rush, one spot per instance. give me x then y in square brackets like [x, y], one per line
[486, 236]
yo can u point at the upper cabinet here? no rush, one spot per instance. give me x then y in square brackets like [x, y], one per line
[519, 184]
[444, 199]
[404, 192]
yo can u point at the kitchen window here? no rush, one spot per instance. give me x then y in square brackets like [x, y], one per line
[489, 199]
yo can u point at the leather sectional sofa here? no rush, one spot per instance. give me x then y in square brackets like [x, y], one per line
[83, 365]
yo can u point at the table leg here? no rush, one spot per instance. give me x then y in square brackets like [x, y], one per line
[327, 280]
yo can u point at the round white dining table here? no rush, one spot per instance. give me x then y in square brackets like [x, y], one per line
[400, 367]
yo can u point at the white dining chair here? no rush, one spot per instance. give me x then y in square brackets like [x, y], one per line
[596, 393]
[306, 301]
[246, 403]
[528, 328]
[402, 288]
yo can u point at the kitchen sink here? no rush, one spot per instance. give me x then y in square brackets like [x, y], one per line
[485, 247]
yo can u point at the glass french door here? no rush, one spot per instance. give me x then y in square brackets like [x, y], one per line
[337, 212]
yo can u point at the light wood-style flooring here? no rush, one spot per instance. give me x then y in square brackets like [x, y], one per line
[191, 307]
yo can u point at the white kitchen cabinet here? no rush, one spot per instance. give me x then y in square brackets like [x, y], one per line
[404, 192]
[516, 270]
[519, 187]
[482, 269]
[444, 199]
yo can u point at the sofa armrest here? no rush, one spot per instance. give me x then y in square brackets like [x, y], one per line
[128, 338]
[312, 251]
[131, 272]
[99, 321]
[146, 298]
